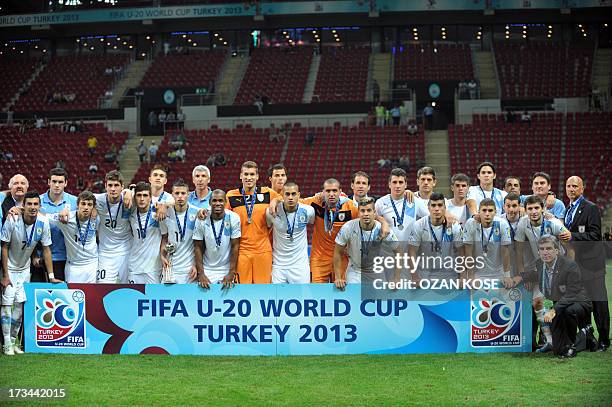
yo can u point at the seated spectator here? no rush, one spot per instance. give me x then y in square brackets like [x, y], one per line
[220, 160]
[172, 156]
[6, 155]
[98, 186]
[526, 117]
[383, 163]
[80, 184]
[258, 103]
[412, 128]
[404, 162]
[92, 144]
[181, 154]
[93, 168]
[309, 138]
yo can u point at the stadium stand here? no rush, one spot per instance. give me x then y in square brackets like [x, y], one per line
[81, 75]
[343, 74]
[437, 62]
[543, 70]
[279, 74]
[37, 151]
[332, 146]
[516, 148]
[13, 74]
[198, 68]
[588, 153]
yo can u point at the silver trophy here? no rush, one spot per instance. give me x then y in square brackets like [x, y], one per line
[167, 277]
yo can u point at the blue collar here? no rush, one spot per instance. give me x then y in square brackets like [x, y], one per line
[48, 200]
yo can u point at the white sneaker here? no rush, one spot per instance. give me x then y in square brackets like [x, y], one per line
[17, 350]
[8, 350]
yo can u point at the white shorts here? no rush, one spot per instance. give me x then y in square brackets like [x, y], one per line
[146, 278]
[182, 278]
[215, 276]
[112, 269]
[81, 273]
[15, 292]
[291, 275]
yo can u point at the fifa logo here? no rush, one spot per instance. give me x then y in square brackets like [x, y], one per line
[495, 320]
[60, 318]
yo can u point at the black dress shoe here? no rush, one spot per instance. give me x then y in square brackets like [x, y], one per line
[602, 347]
[570, 353]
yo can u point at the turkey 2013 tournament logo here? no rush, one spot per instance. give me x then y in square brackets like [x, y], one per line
[495, 321]
[60, 318]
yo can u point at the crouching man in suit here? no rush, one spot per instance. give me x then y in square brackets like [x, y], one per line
[567, 305]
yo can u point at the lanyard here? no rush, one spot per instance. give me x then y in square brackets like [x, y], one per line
[143, 231]
[290, 228]
[437, 246]
[485, 246]
[249, 207]
[512, 230]
[161, 196]
[82, 236]
[569, 217]
[110, 215]
[366, 244]
[546, 283]
[217, 238]
[328, 218]
[25, 232]
[182, 230]
[400, 219]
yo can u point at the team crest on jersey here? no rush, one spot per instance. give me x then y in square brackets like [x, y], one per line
[302, 218]
[39, 231]
[192, 217]
[60, 318]
[260, 197]
[548, 230]
[341, 217]
[495, 319]
[496, 231]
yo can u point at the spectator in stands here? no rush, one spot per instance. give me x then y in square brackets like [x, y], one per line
[463, 90]
[162, 117]
[60, 164]
[9, 116]
[309, 138]
[153, 152]
[80, 127]
[65, 127]
[118, 70]
[428, 113]
[98, 186]
[92, 144]
[403, 114]
[258, 103]
[383, 163]
[404, 162]
[142, 150]
[80, 184]
[380, 114]
[509, 116]
[93, 168]
[216, 160]
[172, 156]
[171, 118]
[412, 128]
[111, 154]
[181, 154]
[6, 155]
[152, 119]
[526, 117]
[108, 71]
[40, 122]
[473, 89]
[395, 115]
[166, 47]
[180, 119]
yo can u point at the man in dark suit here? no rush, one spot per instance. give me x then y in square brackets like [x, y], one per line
[583, 220]
[568, 307]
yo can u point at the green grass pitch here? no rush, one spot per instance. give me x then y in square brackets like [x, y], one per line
[362, 380]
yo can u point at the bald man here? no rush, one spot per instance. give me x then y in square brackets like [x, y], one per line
[583, 220]
[18, 186]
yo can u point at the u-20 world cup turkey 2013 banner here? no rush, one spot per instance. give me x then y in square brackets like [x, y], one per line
[309, 319]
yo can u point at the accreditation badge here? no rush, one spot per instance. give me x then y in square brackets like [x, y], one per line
[581, 228]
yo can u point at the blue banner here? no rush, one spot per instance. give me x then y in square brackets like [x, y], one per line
[311, 319]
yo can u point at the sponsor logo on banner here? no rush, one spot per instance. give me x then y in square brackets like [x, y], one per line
[495, 319]
[60, 318]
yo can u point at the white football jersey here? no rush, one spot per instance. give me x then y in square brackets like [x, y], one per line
[359, 242]
[114, 230]
[476, 193]
[526, 232]
[217, 257]
[290, 251]
[146, 241]
[401, 225]
[164, 197]
[487, 243]
[180, 227]
[80, 239]
[23, 239]
[459, 212]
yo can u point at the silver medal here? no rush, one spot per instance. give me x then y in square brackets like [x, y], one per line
[400, 227]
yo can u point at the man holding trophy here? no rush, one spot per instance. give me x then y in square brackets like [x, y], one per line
[178, 254]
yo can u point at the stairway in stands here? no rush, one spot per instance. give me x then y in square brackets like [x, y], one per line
[382, 67]
[437, 156]
[132, 77]
[484, 65]
[231, 76]
[129, 162]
